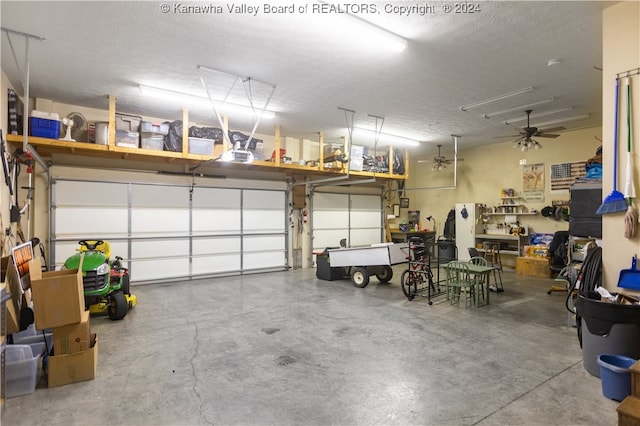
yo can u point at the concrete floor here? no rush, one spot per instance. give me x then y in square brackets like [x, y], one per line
[287, 349]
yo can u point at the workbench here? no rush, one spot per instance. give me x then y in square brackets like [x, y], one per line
[398, 236]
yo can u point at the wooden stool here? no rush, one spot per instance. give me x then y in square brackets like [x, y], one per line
[492, 254]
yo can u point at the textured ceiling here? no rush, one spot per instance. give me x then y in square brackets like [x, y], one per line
[92, 49]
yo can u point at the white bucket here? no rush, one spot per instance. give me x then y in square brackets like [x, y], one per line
[102, 133]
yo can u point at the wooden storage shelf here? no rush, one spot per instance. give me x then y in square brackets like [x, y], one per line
[514, 214]
[514, 243]
[46, 147]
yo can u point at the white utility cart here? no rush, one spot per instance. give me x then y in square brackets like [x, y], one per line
[359, 263]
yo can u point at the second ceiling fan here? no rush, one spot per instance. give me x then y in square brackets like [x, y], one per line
[525, 141]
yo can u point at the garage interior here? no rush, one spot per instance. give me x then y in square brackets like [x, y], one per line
[222, 219]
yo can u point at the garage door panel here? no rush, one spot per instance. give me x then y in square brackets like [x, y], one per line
[259, 199]
[330, 219]
[104, 194]
[216, 264]
[216, 198]
[160, 196]
[160, 248]
[264, 242]
[159, 221]
[324, 201]
[263, 221]
[365, 202]
[85, 222]
[364, 237]
[360, 219]
[218, 245]
[217, 221]
[149, 270]
[262, 260]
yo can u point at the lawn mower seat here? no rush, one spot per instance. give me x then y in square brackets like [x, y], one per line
[104, 247]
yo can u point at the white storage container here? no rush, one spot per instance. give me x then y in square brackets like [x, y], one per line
[127, 139]
[201, 146]
[22, 370]
[149, 127]
[152, 141]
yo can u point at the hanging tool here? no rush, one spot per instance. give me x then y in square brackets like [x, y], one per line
[615, 201]
[631, 217]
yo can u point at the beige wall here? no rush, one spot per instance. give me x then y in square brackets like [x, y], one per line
[486, 170]
[621, 52]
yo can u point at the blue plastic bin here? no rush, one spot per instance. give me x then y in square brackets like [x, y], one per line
[41, 127]
[615, 375]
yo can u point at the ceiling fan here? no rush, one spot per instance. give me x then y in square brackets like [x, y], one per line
[440, 161]
[525, 141]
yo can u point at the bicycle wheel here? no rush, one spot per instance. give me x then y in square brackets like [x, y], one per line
[408, 284]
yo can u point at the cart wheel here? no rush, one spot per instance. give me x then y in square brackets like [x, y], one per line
[408, 285]
[360, 277]
[386, 275]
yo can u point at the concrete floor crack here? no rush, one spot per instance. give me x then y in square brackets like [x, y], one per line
[522, 395]
[194, 374]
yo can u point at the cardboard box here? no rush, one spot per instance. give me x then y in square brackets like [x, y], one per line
[58, 296]
[72, 368]
[533, 267]
[73, 338]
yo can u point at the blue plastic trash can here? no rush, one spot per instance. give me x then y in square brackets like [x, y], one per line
[615, 375]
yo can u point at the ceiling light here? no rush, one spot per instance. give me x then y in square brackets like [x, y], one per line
[562, 120]
[518, 108]
[438, 167]
[352, 27]
[497, 98]
[189, 100]
[387, 138]
[527, 144]
[540, 114]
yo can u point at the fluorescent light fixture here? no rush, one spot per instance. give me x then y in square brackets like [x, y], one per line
[360, 31]
[562, 120]
[518, 108]
[386, 138]
[540, 114]
[496, 98]
[189, 100]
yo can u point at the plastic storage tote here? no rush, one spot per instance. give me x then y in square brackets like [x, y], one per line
[22, 370]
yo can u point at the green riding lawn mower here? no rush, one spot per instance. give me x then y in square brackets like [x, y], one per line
[106, 282]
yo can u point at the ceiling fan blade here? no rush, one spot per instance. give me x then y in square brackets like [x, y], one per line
[553, 129]
[546, 135]
[507, 136]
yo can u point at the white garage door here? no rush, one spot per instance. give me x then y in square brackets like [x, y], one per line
[356, 218]
[168, 231]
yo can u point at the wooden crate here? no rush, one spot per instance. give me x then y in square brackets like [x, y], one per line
[533, 267]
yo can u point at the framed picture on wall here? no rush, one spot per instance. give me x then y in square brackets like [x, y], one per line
[404, 203]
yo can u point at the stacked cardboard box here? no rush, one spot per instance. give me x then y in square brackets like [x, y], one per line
[58, 303]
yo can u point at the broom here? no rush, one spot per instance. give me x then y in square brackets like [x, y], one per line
[614, 202]
[631, 218]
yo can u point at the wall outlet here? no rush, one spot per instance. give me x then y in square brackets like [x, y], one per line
[523, 162]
